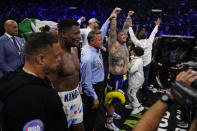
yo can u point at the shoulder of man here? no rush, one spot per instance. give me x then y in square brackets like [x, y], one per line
[3, 37]
[20, 39]
[13, 81]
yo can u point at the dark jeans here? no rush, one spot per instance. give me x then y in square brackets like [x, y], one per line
[146, 79]
[1, 115]
[89, 116]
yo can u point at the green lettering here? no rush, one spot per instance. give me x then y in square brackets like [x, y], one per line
[139, 115]
[131, 123]
[145, 107]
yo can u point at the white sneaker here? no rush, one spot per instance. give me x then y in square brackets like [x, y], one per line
[111, 126]
[128, 106]
[137, 110]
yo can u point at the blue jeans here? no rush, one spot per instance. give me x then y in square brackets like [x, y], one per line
[146, 79]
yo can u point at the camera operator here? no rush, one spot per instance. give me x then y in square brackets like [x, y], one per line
[151, 119]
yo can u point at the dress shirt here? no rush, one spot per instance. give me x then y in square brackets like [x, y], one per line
[146, 44]
[84, 31]
[91, 69]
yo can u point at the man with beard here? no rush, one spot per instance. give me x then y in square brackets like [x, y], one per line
[118, 66]
[66, 79]
[30, 101]
[93, 24]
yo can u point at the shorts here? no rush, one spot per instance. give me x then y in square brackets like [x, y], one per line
[72, 105]
[116, 83]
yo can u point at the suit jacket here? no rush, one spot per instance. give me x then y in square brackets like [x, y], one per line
[10, 59]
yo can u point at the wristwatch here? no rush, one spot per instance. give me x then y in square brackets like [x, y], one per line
[166, 99]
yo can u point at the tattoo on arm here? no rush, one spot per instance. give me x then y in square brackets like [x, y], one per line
[113, 34]
[126, 25]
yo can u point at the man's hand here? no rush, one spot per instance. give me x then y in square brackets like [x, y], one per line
[113, 15]
[130, 23]
[95, 104]
[158, 21]
[103, 48]
[168, 92]
[117, 10]
[188, 77]
[83, 19]
[130, 13]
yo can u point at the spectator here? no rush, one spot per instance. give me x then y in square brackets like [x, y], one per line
[11, 48]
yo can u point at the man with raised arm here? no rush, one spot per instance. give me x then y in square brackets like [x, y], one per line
[118, 66]
[94, 25]
[146, 44]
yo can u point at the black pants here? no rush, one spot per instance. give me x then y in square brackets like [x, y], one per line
[146, 79]
[89, 116]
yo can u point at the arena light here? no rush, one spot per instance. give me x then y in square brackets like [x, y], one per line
[156, 10]
[72, 7]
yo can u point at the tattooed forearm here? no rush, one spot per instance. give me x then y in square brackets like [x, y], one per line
[113, 35]
[126, 25]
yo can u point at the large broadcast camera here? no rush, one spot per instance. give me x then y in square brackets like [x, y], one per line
[173, 54]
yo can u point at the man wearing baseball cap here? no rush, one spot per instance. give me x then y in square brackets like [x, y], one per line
[93, 24]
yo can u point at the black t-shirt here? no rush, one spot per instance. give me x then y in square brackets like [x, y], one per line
[35, 106]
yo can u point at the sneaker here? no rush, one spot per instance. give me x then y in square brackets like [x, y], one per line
[110, 125]
[150, 87]
[137, 110]
[116, 116]
[128, 106]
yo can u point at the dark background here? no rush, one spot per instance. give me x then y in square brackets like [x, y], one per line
[179, 16]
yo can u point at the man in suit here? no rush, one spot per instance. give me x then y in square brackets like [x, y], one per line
[11, 48]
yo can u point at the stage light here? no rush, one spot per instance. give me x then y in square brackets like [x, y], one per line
[73, 8]
[156, 10]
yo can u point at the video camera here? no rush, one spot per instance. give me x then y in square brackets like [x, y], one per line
[186, 96]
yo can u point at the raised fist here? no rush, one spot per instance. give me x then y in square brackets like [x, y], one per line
[158, 21]
[83, 19]
[117, 10]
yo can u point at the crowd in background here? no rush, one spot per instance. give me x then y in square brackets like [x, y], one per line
[179, 21]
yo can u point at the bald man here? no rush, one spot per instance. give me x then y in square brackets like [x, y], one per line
[11, 48]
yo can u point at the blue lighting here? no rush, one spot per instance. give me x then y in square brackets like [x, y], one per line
[182, 3]
[93, 13]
